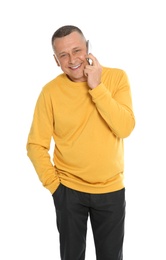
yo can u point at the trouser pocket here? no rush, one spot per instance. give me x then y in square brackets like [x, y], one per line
[57, 194]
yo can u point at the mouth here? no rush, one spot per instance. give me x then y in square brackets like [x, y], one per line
[75, 67]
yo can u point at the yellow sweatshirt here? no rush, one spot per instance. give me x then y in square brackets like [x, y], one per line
[88, 127]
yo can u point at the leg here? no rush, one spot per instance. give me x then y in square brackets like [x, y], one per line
[107, 216]
[71, 223]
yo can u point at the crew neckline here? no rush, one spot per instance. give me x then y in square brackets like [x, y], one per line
[74, 84]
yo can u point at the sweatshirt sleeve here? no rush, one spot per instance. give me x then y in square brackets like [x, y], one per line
[115, 105]
[38, 143]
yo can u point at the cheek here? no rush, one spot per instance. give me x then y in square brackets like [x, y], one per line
[64, 65]
[83, 57]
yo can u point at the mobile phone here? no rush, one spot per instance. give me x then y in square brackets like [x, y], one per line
[89, 49]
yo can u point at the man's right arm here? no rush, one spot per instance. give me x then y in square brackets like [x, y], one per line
[38, 143]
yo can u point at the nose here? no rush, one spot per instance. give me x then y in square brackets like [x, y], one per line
[71, 58]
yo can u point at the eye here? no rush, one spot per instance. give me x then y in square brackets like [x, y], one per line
[77, 50]
[62, 55]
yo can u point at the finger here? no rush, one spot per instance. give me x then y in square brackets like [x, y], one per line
[85, 73]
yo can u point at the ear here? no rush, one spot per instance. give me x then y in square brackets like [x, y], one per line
[57, 62]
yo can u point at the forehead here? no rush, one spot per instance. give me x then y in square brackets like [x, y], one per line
[70, 41]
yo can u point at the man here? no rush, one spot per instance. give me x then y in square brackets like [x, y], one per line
[88, 111]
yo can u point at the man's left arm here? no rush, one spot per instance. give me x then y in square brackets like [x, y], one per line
[115, 108]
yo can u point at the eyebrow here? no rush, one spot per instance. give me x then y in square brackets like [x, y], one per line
[63, 52]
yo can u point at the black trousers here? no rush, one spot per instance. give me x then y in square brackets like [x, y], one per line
[107, 215]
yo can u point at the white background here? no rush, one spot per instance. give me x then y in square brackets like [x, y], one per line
[124, 34]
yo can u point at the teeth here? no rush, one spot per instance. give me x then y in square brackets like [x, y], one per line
[75, 67]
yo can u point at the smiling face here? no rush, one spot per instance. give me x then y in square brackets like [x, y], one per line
[70, 55]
